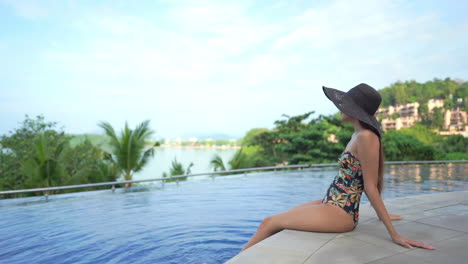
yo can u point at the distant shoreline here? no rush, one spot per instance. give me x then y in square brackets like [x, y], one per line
[201, 147]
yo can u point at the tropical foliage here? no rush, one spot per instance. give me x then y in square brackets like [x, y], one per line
[246, 157]
[309, 142]
[128, 152]
[177, 169]
[39, 155]
[295, 140]
[412, 91]
[44, 168]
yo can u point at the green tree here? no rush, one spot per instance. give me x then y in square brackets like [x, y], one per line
[453, 143]
[423, 111]
[399, 146]
[20, 146]
[422, 133]
[87, 163]
[44, 168]
[437, 117]
[277, 144]
[247, 140]
[128, 152]
[245, 157]
[411, 91]
[176, 170]
[240, 161]
[217, 163]
[296, 141]
[268, 141]
[400, 93]
[36, 155]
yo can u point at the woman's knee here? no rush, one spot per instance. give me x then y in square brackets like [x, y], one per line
[271, 224]
[267, 222]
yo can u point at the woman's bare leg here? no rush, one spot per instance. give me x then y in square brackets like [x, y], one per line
[313, 218]
[293, 208]
[307, 204]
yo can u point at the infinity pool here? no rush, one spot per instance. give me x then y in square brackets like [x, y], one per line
[202, 220]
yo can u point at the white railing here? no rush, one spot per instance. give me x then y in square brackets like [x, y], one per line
[47, 189]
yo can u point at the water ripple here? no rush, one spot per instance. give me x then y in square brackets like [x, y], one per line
[204, 221]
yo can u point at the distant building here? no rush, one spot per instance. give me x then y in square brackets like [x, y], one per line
[455, 120]
[398, 123]
[433, 103]
[405, 115]
[332, 138]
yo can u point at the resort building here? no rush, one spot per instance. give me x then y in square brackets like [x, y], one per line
[433, 103]
[405, 115]
[455, 120]
[332, 138]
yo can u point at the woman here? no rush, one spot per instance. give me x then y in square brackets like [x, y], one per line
[361, 169]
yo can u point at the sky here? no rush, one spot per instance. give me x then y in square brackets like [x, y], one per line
[200, 67]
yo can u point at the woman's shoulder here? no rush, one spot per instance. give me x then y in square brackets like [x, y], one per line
[366, 136]
[366, 133]
[367, 144]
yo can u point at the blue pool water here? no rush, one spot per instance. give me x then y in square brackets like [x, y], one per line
[198, 221]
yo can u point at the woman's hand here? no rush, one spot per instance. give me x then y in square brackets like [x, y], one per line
[408, 243]
[395, 217]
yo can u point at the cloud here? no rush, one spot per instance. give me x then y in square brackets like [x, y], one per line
[343, 25]
[209, 45]
[188, 59]
[144, 49]
[28, 9]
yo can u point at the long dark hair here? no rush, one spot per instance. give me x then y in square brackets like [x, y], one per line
[380, 181]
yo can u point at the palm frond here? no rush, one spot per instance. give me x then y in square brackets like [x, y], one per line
[176, 168]
[146, 156]
[217, 163]
[110, 132]
[41, 148]
[80, 176]
[188, 170]
[239, 161]
[131, 155]
[143, 131]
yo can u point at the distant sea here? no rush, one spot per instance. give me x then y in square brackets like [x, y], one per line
[200, 157]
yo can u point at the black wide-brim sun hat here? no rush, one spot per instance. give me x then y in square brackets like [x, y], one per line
[360, 102]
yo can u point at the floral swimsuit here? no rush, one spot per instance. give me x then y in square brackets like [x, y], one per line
[346, 189]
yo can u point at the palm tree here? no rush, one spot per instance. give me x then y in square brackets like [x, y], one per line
[128, 152]
[178, 169]
[239, 161]
[217, 163]
[45, 168]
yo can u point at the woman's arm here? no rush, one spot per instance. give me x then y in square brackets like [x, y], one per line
[368, 151]
[374, 197]
[393, 217]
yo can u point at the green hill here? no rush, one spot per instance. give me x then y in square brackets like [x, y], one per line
[412, 91]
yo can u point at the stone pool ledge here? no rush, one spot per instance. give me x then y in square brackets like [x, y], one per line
[440, 219]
